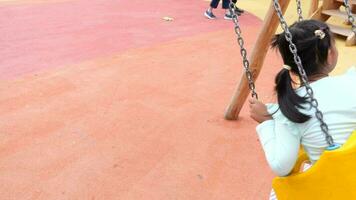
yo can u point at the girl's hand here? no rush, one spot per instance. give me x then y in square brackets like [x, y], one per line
[258, 111]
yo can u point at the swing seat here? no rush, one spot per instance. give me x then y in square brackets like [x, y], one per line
[333, 176]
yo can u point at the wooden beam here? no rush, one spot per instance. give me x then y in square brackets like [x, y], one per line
[257, 58]
[327, 5]
[314, 4]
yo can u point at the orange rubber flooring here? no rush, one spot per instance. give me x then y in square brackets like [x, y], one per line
[105, 100]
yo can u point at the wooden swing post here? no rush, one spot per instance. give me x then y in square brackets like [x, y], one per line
[257, 58]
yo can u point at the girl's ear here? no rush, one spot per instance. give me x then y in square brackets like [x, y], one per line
[333, 55]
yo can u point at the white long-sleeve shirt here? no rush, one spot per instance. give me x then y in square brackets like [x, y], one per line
[281, 138]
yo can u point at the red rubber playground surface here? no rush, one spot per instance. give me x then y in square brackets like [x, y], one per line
[103, 99]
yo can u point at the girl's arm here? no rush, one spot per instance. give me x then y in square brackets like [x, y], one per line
[280, 143]
[280, 140]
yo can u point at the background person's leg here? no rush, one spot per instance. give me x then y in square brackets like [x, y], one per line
[209, 12]
[214, 3]
[225, 4]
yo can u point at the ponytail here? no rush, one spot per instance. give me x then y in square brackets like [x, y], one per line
[289, 101]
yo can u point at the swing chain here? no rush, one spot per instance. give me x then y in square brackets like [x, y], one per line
[293, 48]
[243, 51]
[299, 10]
[349, 15]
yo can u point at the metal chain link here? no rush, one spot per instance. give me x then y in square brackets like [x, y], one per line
[293, 49]
[299, 10]
[243, 51]
[350, 17]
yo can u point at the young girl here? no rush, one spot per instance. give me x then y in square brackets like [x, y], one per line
[290, 123]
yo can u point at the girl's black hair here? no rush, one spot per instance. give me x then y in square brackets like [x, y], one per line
[313, 52]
